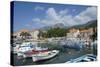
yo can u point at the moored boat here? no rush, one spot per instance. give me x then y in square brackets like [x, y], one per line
[28, 49]
[84, 58]
[44, 55]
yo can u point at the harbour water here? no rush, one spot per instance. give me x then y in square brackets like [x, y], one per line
[65, 55]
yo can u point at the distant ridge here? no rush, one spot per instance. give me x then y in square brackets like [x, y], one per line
[92, 23]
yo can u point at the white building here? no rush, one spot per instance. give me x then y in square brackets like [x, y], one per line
[73, 33]
[35, 34]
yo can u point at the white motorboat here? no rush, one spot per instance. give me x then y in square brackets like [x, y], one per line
[28, 49]
[44, 55]
[24, 47]
[84, 58]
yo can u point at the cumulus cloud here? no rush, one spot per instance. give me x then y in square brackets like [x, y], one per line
[36, 20]
[89, 14]
[52, 17]
[63, 12]
[52, 14]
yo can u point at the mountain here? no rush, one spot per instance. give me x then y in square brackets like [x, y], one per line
[58, 25]
[92, 23]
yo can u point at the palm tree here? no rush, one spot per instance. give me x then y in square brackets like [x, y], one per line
[24, 35]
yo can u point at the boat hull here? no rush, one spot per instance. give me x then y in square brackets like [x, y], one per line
[49, 56]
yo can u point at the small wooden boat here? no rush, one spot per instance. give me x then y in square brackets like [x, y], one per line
[44, 55]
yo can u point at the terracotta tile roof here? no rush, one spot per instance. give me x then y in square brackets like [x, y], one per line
[87, 30]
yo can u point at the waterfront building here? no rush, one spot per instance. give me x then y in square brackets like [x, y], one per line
[34, 34]
[73, 33]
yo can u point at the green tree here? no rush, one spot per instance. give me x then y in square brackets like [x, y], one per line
[56, 32]
[24, 35]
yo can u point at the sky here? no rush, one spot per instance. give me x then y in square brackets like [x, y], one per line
[32, 15]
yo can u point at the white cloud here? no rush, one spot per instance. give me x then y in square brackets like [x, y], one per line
[36, 20]
[52, 17]
[52, 14]
[89, 14]
[68, 20]
[38, 8]
[63, 12]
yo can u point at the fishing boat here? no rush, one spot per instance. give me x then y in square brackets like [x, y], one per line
[28, 49]
[33, 52]
[24, 47]
[44, 55]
